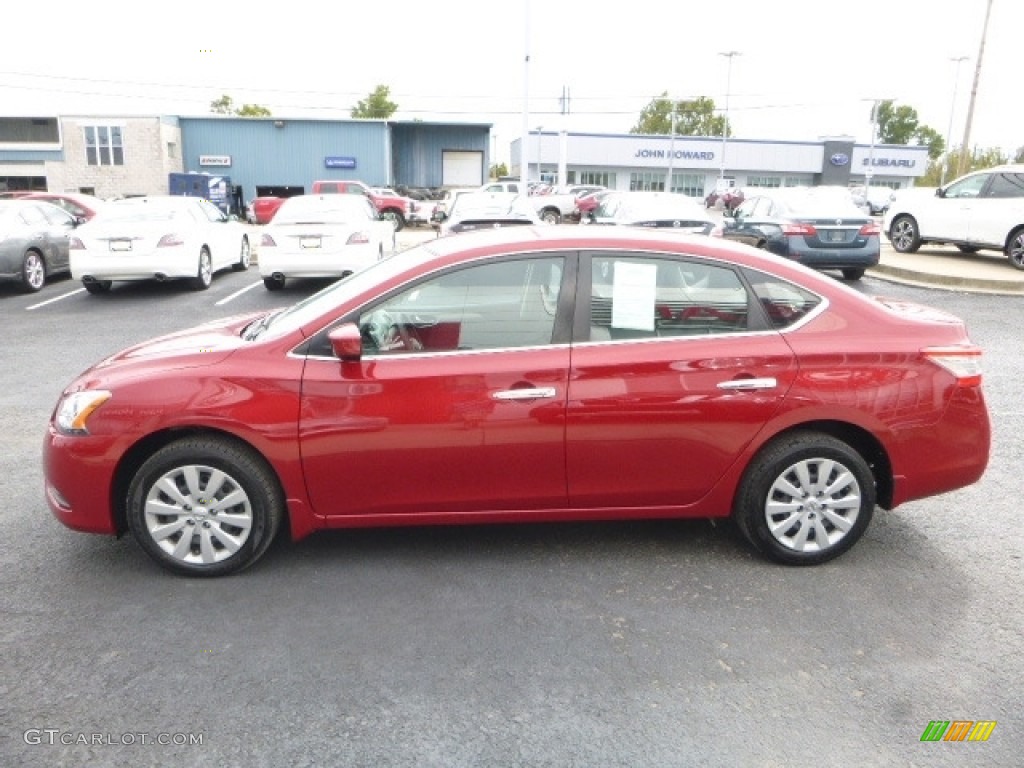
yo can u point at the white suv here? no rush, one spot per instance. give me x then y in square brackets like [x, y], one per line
[982, 210]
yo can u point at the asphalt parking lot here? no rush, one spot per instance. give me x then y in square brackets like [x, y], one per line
[618, 644]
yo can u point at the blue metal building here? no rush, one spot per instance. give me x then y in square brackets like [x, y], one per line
[284, 156]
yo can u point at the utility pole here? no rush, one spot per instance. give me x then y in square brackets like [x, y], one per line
[962, 165]
[947, 161]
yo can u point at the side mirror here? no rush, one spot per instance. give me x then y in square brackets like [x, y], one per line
[346, 343]
[940, 192]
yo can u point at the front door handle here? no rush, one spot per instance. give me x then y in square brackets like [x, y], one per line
[745, 384]
[525, 394]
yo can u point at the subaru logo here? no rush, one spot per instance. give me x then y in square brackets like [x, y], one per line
[839, 159]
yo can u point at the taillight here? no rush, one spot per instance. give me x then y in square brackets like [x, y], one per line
[962, 362]
[358, 238]
[267, 241]
[796, 228]
[871, 228]
[170, 240]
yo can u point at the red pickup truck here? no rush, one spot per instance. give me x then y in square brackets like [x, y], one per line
[394, 208]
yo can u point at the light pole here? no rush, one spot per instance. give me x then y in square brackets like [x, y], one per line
[539, 177]
[725, 124]
[961, 168]
[671, 146]
[869, 172]
[952, 109]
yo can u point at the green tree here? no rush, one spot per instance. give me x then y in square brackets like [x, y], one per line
[225, 105]
[900, 125]
[252, 110]
[694, 117]
[377, 105]
[978, 160]
[499, 170]
[1019, 157]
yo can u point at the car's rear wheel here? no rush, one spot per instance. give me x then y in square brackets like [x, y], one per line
[853, 274]
[550, 216]
[204, 506]
[904, 234]
[805, 499]
[273, 283]
[97, 286]
[204, 271]
[33, 271]
[1015, 248]
[244, 257]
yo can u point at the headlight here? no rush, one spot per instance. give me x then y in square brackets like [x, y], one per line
[75, 409]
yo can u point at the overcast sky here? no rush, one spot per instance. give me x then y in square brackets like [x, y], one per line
[805, 68]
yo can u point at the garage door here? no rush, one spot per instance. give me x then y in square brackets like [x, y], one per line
[462, 169]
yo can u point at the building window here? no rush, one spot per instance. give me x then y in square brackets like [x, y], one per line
[647, 181]
[172, 150]
[597, 179]
[103, 145]
[764, 181]
[690, 184]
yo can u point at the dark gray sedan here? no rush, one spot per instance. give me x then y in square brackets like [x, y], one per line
[33, 241]
[817, 226]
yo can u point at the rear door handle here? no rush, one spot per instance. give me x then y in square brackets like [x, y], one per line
[525, 394]
[744, 384]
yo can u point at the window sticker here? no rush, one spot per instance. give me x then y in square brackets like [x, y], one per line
[633, 293]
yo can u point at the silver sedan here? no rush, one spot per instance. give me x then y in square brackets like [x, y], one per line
[33, 241]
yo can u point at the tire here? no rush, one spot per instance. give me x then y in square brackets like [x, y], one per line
[273, 283]
[204, 271]
[395, 218]
[204, 506]
[805, 499]
[33, 272]
[97, 287]
[549, 216]
[244, 257]
[853, 274]
[904, 235]
[968, 248]
[1015, 248]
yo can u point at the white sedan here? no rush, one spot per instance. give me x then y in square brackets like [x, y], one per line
[323, 236]
[159, 237]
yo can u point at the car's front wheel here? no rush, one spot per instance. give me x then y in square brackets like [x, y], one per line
[1015, 248]
[396, 219]
[33, 271]
[204, 271]
[805, 499]
[904, 234]
[550, 216]
[204, 506]
[853, 274]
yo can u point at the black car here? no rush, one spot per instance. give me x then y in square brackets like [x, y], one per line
[820, 227]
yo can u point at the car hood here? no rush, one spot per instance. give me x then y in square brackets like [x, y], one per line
[202, 345]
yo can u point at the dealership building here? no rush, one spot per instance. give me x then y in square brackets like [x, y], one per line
[644, 162]
[135, 155]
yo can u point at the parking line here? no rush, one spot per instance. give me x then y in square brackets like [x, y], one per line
[236, 294]
[50, 301]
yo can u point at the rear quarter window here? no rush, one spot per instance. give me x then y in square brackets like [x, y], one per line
[784, 303]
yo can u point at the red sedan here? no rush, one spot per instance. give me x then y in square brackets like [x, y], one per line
[528, 374]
